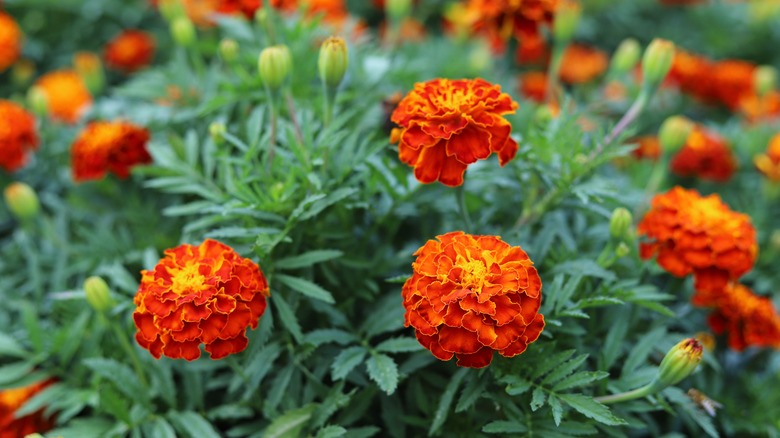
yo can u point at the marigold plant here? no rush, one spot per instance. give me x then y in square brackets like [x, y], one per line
[748, 319]
[17, 135]
[129, 51]
[67, 96]
[471, 296]
[10, 41]
[12, 399]
[445, 125]
[705, 155]
[205, 294]
[104, 147]
[768, 163]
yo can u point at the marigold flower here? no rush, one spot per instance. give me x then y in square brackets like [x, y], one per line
[691, 234]
[581, 64]
[533, 85]
[757, 108]
[471, 296]
[205, 294]
[129, 51]
[445, 125]
[691, 73]
[108, 146]
[749, 319]
[769, 163]
[10, 41]
[648, 148]
[733, 81]
[66, 94]
[705, 155]
[13, 399]
[17, 135]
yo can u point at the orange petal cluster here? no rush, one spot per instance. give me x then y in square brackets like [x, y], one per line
[581, 64]
[13, 399]
[10, 41]
[757, 108]
[691, 234]
[648, 148]
[195, 295]
[533, 85]
[749, 319]
[66, 94]
[104, 147]
[129, 51]
[471, 296]
[445, 125]
[705, 155]
[17, 135]
[769, 162]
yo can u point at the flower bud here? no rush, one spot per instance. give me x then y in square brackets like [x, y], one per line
[274, 65]
[22, 72]
[183, 31]
[620, 223]
[22, 201]
[261, 17]
[626, 56]
[170, 9]
[37, 100]
[90, 68]
[567, 16]
[217, 132]
[657, 61]
[622, 250]
[398, 9]
[228, 49]
[98, 294]
[333, 60]
[764, 79]
[774, 240]
[678, 363]
[674, 133]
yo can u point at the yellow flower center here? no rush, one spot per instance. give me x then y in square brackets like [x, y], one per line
[188, 280]
[473, 275]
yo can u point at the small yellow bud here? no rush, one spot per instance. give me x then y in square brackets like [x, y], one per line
[274, 65]
[626, 56]
[620, 224]
[333, 61]
[97, 293]
[228, 49]
[217, 132]
[37, 100]
[22, 72]
[567, 16]
[22, 201]
[398, 9]
[764, 79]
[674, 132]
[90, 68]
[183, 31]
[657, 61]
[678, 363]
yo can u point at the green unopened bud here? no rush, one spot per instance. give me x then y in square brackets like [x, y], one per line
[170, 9]
[626, 56]
[674, 133]
[217, 132]
[90, 68]
[98, 294]
[228, 49]
[274, 65]
[333, 61]
[261, 17]
[678, 363]
[37, 100]
[622, 250]
[620, 223]
[22, 201]
[764, 79]
[22, 72]
[567, 16]
[398, 9]
[656, 62]
[183, 31]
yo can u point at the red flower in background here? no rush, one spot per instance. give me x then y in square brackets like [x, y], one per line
[648, 148]
[11, 400]
[67, 97]
[10, 41]
[204, 294]
[104, 147]
[17, 135]
[130, 51]
[769, 163]
[581, 64]
[533, 85]
[705, 155]
[749, 319]
[471, 296]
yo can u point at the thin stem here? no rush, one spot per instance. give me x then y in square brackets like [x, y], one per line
[553, 72]
[633, 112]
[460, 193]
[330, 100]
[293, 117]
[274, 116]
[626, 396]
[233, 364]
[122, 336]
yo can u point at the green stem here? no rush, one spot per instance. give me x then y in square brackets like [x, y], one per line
[330, 102]
[553, 72]
[626, 396]
[460, 194]
[122, 336]
[272, 94]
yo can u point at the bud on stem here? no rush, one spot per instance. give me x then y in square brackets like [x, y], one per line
[674, 133]
[22, 201]
[98, 294]
[274, 66]
[656, 62]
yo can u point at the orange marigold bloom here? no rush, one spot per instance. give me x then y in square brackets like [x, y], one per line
[17, 135]
[206, 294]
[705, 155]
[471, 296]
[648, 147]
[749, 319]
[445, 125]
[533, 85]
[108, 146]
[769, 163]
[13, 399]
[581, 64]
[129, 51]
[66, 94]
[692, 73]
[733, 81]
[691, 234]
[758, 108]
[10, 41]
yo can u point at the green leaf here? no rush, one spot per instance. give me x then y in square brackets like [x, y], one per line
[83, 428]
[325, 336]
[581, 378]
[584, 267]
[160, 428]
[331, 432]
[346, 361]
[399, 345]
[551, 362]
[564, 369]
[323, 203]
[306, 287]
[121, 375]
[15, 371]
[287, 316]
[642, 350]
[446, 400]
[114, 404]
[291, 423]
[42, 399]
[474, 389]
[516, 385]
[556, 408]
[362, 432]
[591, 409]
[10, 348]
[307, 259]
[504, 427]
[192, 424]
[383, 370]
[537, 398]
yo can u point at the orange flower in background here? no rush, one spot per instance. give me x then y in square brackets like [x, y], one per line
[757, 108]
[733, 81]
[13, 399]
[206, 294]
[749, 319]
[10, 41]
[104, 147]
[17, 135]
[581, 64]
[691, 73]
[129, 51]
[705, 155]
[648, 148]
[769, 163]
[66, 94]
[531, 47]
[533, 85]
[691, 234]
[445, 125]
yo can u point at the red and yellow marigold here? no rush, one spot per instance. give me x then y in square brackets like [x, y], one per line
[10, 41]
[129, 51]
[692, 234]
[769, 163]
[17, 135]
[205, 294]
[471, 296]
[581, 64]
[705, 155]
[11, 400]
[747, 318]
[446, 124]
[104, 147]
[67, 96]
